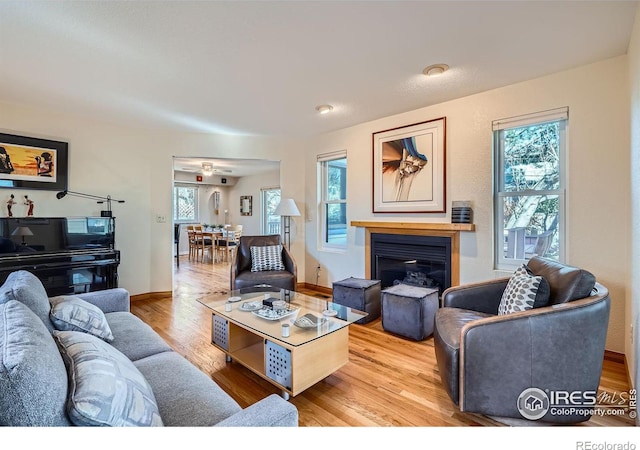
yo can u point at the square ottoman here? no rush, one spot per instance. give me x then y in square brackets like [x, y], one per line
[360, 294]
[409, 311]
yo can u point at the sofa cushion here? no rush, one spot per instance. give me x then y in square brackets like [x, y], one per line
[134, 338]
[26, 288]
[524, 291]
[71, 313]
[267, 257]
[185, 395]
[33, 379]
[105, 388]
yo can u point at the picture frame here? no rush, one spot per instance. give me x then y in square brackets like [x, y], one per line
[33, 163]
[246, 205]
[409, 168]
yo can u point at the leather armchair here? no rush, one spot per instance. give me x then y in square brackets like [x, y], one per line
[487, 360]
[241, 275]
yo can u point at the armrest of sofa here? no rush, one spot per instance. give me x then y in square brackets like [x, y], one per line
[558, 347]
[272, 411]
[108, 300]
[482, 297]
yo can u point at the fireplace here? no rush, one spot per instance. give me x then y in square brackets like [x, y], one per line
[411, 259]
[415, 230]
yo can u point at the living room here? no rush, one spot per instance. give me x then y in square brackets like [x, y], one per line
[135, 162]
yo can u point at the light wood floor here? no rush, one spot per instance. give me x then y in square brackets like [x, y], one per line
[389, 381]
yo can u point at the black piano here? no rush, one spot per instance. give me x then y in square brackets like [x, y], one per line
[69, 255]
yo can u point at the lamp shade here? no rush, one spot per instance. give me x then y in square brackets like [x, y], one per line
[287, 207]
[22, 231]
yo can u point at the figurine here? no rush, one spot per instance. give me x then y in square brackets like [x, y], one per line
[10, 203]
[30, 204]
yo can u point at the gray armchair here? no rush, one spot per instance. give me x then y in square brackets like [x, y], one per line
[486, 361]
[241, 275]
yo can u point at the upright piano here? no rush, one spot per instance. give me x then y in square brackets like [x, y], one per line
[69, 255]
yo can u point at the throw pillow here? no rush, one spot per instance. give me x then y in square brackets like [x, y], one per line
[267, 257]
[33, 379]
[71, 313]
[524, 291]
[26, 288]
[105, 388]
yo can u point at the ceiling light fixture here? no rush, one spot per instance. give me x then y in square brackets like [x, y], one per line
[435, 70]
[324, 109]
[207, 168]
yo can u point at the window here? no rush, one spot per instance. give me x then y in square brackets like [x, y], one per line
[332, 224]
[270, 220]
[185, 204]
[529, 197]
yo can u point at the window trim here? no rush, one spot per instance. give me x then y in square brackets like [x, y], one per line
[538, 118]
[322, 162]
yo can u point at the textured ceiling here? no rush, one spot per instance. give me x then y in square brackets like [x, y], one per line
[261, 68]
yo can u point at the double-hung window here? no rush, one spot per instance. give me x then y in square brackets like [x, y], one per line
[529, 187]
[332, 171]
[185, 204]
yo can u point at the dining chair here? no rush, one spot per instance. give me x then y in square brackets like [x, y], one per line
[204, 243]
[228, 243]
[193, 242]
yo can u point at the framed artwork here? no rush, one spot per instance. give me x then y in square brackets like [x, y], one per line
[409, 174]
[246, 205]
[32, 163]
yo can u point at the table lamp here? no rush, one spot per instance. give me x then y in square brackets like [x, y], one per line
[22, 231]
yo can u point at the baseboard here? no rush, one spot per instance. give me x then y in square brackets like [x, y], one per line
[615, 357]
[315, 287]
[151, 295]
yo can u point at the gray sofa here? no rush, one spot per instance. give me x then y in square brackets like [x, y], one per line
[37, 385]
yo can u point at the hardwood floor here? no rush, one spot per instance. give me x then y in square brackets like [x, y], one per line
[389, 381]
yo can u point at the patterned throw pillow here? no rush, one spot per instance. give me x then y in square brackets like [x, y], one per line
[105, 388]
[267, 257]
[71, 313]
[524, 291]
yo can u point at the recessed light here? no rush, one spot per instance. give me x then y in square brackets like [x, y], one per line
[435, 70]
[324, 109]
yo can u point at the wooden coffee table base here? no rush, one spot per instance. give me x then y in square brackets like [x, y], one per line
[291, 368]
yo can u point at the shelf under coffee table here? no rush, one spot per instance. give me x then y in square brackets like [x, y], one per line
[292, 363]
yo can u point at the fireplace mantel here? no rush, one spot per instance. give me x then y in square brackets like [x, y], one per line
[452, 230]
[432, 226]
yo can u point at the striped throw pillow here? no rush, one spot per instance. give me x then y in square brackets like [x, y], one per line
[268, 257]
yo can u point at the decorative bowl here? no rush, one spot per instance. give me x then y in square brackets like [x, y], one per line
[309, 321]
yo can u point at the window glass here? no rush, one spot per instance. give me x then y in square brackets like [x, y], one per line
[333, 195]
[529, 196]
[185, 204]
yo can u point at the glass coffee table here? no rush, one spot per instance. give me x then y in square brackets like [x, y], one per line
[290, 339]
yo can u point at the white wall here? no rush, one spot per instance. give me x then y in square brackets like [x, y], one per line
[251, 185]
[137, 166]
[633, 294]
[598, 184]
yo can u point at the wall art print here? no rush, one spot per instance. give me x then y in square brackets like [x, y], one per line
[33, 163]
[409, 173]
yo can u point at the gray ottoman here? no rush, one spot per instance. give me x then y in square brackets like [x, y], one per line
[360, 294]
[409, 311]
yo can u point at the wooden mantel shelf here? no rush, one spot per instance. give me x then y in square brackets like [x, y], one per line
[434, 226]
